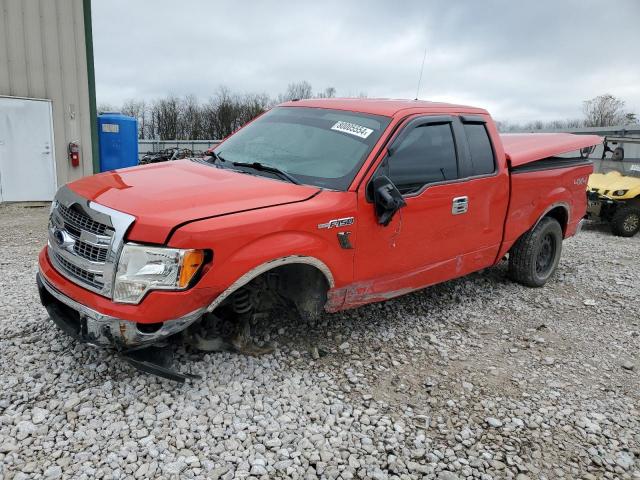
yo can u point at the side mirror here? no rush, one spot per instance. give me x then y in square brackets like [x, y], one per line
[387, 199]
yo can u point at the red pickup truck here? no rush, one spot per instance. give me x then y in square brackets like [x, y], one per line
[323, 204]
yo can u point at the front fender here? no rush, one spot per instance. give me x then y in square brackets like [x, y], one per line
[248, 241]
[240, 257]
[270, 250]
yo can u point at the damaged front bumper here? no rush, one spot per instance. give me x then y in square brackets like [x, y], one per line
[95, 328]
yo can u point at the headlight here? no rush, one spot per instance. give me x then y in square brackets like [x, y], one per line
[142, 268]
[619, 193]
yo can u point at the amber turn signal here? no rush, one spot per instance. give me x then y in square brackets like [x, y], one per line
[191, 263]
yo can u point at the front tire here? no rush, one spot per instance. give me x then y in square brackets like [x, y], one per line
[626, 221]
[535, 255]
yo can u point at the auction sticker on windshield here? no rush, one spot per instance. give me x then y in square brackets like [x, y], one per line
[352, 129]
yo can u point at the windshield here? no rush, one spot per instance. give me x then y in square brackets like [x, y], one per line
[624, 160]
[628, 167]
[622, 155]
[316, 146]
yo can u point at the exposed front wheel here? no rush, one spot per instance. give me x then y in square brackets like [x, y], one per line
[535, 256]
[626, 221]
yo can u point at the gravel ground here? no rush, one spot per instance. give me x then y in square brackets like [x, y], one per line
[475, 378]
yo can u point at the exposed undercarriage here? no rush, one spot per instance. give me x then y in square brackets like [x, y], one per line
[295, 288]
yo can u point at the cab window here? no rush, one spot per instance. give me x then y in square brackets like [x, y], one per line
[480, 148]
[426, 155]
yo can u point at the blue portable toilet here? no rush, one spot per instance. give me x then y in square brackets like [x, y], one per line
[117, 140]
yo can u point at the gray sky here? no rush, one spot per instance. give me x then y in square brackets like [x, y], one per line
[521, 60]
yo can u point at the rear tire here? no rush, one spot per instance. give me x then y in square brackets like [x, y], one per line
[535, 255]
[626, 221]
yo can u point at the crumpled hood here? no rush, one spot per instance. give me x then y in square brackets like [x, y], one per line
[162, 196]
[613, 181]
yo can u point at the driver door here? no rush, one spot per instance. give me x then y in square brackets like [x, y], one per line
[447, 227]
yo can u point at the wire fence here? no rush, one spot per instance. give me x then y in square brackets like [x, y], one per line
[155, 146]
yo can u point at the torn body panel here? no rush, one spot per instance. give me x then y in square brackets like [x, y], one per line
[394, 285]
[92, 327]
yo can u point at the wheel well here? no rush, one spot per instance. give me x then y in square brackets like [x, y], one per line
[561, 214]
[303, 285]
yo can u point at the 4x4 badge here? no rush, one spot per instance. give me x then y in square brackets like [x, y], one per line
[337, 222]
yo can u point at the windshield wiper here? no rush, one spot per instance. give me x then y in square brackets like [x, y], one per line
[266, 168]
[216, 156]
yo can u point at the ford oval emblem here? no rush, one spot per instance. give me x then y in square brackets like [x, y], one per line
[63, 239]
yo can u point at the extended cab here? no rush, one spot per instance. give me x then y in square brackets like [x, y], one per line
[324, 204]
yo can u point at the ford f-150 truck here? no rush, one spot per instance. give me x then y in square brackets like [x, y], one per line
[323, 204]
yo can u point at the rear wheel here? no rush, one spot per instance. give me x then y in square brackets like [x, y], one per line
[535, 256]
[626, 221]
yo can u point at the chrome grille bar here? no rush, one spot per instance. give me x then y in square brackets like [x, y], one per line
[85, 240]
[80, 220]
[78, 272]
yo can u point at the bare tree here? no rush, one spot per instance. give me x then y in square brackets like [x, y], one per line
[137, 110]
[575, 123]
[106, 107]
[605, 111]
[227, 112]
[329, 92]
[209, 120]
[253, 105]
[190, 119]
[164, 117]
[296, 91]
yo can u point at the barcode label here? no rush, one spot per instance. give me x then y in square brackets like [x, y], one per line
[110, 127]
[352, 129]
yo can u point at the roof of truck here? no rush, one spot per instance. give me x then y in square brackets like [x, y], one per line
[520, 148]
[382, 106]
[523, 148]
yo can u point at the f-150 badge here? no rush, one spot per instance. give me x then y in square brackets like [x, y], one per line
[337, 222]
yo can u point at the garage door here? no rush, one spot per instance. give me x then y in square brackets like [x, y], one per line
[27, 164]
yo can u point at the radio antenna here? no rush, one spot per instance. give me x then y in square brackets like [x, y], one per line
[424, 57]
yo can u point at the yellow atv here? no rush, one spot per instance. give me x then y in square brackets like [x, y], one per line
[614, 190]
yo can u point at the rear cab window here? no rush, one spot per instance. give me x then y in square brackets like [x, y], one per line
[481, 151]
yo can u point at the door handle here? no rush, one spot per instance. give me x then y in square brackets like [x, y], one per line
[460, 205]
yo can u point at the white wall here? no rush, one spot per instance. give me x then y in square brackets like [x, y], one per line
[43, 55]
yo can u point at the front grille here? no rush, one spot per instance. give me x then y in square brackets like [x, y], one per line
[79, 273]
[84, 240]
[80, 221]
[91, 252]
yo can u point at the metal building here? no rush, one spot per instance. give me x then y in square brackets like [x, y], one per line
[47, 96]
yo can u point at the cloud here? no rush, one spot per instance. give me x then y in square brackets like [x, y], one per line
[522, 61]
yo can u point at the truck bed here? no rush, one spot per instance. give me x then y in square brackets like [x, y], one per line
[524, 148]
[542, 181]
